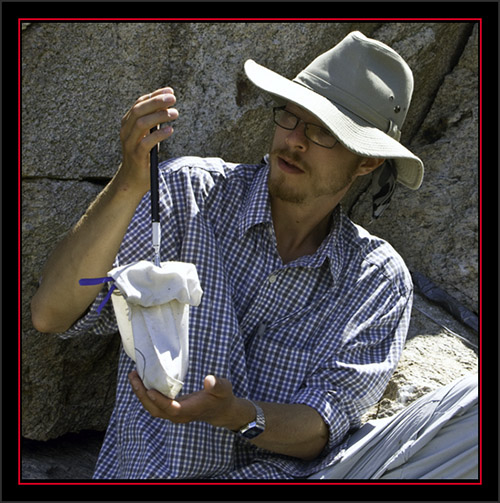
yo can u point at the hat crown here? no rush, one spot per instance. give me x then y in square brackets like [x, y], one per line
[366, 77]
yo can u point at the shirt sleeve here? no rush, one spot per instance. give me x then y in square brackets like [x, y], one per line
[343, 385]
[185, 183]
[94, 321]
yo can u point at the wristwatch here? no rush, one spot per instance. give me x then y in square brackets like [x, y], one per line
[256, 427]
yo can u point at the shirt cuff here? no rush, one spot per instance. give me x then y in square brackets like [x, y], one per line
[335, 418]
[92, 321]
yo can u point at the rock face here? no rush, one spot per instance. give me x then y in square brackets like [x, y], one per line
[438, 350]
[67, 385]
[78, 79]
[442, 217]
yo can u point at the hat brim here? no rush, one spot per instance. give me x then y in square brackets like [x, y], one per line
[353, 132]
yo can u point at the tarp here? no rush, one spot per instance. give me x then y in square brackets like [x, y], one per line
[436, 437]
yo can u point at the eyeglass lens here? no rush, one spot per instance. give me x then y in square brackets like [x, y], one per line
[315, 133]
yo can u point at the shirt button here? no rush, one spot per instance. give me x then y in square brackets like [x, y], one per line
[272, 279]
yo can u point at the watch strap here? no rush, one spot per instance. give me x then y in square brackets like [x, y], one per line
[255, 427]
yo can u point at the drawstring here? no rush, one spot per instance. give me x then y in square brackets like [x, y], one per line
[99, 281]
[382, 187]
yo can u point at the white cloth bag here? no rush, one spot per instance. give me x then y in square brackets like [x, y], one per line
[152, 310]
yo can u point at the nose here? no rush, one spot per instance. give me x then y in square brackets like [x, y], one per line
[296, 138]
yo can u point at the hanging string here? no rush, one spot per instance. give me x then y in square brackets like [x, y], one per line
[99, 281]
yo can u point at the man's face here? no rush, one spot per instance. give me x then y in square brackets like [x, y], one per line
[302, 171]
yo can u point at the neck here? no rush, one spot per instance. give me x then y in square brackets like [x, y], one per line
[300, 229]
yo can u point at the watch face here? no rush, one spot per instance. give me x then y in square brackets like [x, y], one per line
[256, 427]
[252, 432]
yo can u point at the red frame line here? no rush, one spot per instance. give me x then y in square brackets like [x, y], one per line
[95, 19]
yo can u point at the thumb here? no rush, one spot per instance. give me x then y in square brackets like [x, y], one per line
[217, 386]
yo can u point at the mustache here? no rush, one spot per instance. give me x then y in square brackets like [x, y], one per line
[291, 157]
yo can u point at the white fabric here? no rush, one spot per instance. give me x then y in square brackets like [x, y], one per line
[451, 454]
[436, 437]
[152, 310]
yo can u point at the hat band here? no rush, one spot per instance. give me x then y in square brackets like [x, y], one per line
[354, 105]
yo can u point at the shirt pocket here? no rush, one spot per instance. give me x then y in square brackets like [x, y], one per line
[276, 371]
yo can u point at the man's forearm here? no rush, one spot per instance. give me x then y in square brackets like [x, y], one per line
[87, 251]
[90, 248]
[291, 429]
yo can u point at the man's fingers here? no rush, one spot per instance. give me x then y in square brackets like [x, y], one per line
[137, 385]
[140, 140]
[210, 383]
[157, 404]
[164, 90]
[210, 404]
[142, 394]
[146, 113]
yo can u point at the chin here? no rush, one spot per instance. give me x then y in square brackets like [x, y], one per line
[279, 189]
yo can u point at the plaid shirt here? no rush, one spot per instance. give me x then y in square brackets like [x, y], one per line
[325, 330]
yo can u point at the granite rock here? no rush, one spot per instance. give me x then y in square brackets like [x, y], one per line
[436, 229]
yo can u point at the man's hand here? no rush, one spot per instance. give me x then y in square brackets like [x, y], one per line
[292, 429]
[214, 404]
[89, 249]
[137, 141]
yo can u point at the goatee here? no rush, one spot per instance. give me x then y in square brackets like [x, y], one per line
[277, 180]
[304, 188]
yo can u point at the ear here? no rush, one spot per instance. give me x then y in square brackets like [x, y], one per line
[369, 164]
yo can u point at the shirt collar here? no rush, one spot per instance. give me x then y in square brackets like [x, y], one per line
[257, 204]
[257, 210]
[332, 248]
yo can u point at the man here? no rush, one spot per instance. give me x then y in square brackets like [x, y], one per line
[304, 314]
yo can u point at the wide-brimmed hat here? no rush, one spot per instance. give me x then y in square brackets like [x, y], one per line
[361, 91]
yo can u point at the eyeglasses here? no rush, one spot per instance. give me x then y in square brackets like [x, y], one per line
[317, 134]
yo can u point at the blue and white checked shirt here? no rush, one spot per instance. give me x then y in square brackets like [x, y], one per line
[326, 330]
